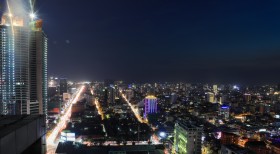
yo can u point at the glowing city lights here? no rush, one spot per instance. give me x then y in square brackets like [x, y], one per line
[61, 124]
[139, 118]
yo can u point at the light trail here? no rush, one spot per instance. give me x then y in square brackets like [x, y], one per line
[137, 115]
[63, 119]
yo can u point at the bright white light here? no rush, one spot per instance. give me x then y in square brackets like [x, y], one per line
[32, 15]
[162, 134]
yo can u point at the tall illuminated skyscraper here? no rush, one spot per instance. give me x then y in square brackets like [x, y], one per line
[150, 103]
[23, 54]
[14, 65]
[7, 76]
[38, 69]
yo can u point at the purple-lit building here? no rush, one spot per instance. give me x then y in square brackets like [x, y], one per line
[150, 103]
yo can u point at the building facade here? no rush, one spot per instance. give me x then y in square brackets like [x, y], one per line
[38, 69]
[187, 138]
[150, 103]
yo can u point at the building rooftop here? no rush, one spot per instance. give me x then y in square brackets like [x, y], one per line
[188, 124]
[9, 123]
[151, 97]
[22, 134]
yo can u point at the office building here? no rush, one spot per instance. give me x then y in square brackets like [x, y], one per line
[187, 138]
[150, 103]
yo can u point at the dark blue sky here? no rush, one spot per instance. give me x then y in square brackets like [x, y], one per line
[164, 40]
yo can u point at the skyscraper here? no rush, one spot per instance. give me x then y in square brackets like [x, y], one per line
[14, 65]
[7, 78]
[23, 64]
[38, 69]
[150, 103]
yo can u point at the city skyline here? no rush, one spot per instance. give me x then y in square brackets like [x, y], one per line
[193, 41]
[149, 76]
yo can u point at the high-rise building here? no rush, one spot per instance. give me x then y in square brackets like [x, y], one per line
[15, 66]
[63, 86]
[150, 103]
[187, 138]
[23, 64]
[7, 77]
[38, 69]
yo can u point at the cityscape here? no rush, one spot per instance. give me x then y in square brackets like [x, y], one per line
[132, 77]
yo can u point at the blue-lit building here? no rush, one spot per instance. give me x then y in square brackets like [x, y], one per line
[224, 111]
[14, 66]
[38, 50]
[7, 76]
[23, 54]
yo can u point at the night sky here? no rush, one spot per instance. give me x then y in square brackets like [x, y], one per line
[163, 40]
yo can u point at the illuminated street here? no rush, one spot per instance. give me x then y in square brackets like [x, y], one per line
[137, 115]
[98, 106]
[51, 143]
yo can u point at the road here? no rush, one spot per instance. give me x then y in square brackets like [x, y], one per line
[99, 108]
[154, 138]
[100, 111]
[51, 139]
[137, 115]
